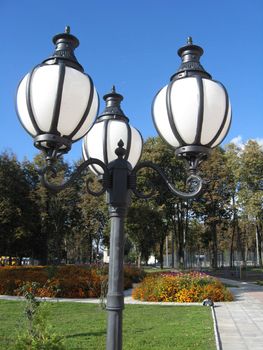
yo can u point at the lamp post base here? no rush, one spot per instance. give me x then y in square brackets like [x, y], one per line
[114, 332]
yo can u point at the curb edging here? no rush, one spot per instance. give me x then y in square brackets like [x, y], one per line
[217, 336]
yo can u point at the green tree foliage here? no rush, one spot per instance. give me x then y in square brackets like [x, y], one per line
[59, 213]
[94, 219]
[72, 225]
[233, 167]
[68, 219]
[174, 210]
[251, 190]
[211, 207]
[18, 217]
[144, 227]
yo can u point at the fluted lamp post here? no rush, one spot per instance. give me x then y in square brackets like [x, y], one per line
[57, 104]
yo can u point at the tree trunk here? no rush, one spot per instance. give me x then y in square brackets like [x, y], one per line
[139, 260]
[214, 245]
[167, 251]
[180, 253]
[161, 252]
[231, 257]
[239, 244]
[259, 241]
[234, 225]
[185, 230]
[172, 249]
[90, 250]
[180, 232]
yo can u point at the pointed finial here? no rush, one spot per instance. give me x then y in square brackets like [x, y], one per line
[121, 143]
[189, 41]
[190, 65]
[65, 44]
[120, 151]
[113, 102]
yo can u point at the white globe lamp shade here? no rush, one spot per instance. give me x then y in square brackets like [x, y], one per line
[112, 126]
[193, 112]
[56, 102]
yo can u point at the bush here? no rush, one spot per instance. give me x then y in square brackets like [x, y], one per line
[179, 287]
[38, 333]
[68, 281]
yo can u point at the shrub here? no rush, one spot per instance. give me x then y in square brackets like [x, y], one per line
[181, 287]
[38, 333]
[68, 281]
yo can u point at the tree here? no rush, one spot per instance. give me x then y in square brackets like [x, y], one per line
[175, 210]
[17, 227]
[233, 163]
[211, 207]
[144, 227]
[251, 198]
[60, 213]
[94, 219]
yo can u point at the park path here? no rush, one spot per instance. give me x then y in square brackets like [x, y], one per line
[240, 323]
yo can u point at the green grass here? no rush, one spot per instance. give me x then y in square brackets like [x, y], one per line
[254, 269]
[145, 326]
[155, 269]
[227, 285]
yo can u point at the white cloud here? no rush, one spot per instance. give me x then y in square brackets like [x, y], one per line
[259, 141]
[239, 142]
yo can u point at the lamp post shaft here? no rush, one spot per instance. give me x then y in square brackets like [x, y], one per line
[118, 199]
[115, 297]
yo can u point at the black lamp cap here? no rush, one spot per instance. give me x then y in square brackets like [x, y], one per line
[65, 43]
[113, 109]
[190, 66]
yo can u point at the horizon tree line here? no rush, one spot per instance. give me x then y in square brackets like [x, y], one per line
[72, 226]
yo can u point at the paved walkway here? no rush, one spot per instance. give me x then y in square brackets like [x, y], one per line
[239, 323]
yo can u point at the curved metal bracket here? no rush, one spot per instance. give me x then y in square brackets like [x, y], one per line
[74, 176]
[194, 180]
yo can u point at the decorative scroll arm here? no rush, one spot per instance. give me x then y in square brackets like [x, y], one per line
[196, 181]
[43, 173]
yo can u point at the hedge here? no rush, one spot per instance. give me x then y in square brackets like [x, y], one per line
[69, 281]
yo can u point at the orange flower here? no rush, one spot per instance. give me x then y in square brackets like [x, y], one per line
[181, 287]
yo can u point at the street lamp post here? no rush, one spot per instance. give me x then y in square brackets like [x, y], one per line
[57, 104]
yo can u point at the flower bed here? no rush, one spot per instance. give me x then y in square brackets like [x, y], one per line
[69, 281]
[181, 287]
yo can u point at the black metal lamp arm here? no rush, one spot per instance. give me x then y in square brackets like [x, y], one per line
[74, 176]
[194, 180]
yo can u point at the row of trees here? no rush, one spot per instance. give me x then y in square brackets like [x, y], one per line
[44, 226]
[72, 226]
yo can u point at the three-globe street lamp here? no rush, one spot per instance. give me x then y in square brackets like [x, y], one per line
[57, 104]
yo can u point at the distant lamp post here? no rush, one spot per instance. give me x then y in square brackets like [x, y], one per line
[57, 104]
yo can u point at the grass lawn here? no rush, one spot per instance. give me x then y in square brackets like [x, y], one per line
[145, 326]
[155, 269]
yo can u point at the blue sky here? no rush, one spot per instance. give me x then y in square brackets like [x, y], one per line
[133, 44]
